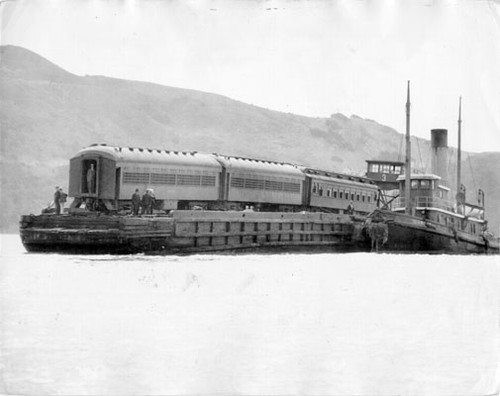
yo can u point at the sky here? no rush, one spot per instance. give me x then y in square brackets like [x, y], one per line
[313, 58]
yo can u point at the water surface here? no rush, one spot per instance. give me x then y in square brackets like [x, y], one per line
[323, 324]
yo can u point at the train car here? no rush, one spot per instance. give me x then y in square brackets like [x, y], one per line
[266, 185]
[333, 192]
[105, 177]
[108, 176]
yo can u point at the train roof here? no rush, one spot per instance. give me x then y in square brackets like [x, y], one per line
[147, 155]
[422, 176]
[260, 166]
[338, 177]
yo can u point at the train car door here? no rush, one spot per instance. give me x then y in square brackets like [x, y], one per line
[306, 191]
[222, 186]
[117, 185]
[75, 177]
[106, 178]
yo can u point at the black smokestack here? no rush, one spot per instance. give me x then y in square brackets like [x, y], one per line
[439, 154]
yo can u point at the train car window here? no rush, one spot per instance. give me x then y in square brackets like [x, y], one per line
[263, 184]
[363, 198]
[257, 184]
[329, 193]
[352, 196]
[136, 177]
[315, 188]
[188, 180]
[163, 178]
[341, 194]
[237, 182]
[335, 193]
[320, 190]
[368, 197]
[207, 180]
[273, 185]
[357, 197]
[291, 187]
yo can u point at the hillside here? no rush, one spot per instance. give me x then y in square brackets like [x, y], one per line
[47, 114]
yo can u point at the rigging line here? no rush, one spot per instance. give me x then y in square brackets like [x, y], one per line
[427, 166]
[472, 173]
[419, 154]
[400, 154]
[451, 163]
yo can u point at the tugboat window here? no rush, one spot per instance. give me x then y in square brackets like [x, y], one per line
[425, 184]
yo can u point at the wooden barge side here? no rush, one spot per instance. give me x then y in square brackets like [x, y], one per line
[191, 232]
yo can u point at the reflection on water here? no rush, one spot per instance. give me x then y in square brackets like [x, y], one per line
[340, 324]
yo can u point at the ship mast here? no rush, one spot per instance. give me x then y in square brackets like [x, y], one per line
[459, 151]
[408, 155]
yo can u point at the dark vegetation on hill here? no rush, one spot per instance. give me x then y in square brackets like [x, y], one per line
[48, 114]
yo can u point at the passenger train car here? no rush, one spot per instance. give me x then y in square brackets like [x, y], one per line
[104, 178]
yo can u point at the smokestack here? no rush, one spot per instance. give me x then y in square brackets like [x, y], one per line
[439, 154]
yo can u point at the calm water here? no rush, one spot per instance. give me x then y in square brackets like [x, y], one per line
[342, 324]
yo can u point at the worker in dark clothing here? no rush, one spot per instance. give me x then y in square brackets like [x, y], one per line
[147, 203]
[350, 208]
[136, 202]
[57, 203]
[62, 198]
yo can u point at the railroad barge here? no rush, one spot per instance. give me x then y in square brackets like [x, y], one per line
[195, 202]
[191, 231]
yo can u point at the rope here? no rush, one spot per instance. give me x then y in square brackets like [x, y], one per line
[427, 166]
[451, 162]
[400, 154]
[472, 173]
[419, 154]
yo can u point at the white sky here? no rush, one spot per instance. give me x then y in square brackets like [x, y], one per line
[312, 58]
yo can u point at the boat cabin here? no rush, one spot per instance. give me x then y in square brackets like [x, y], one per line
[384, 173]
[432, 201]
[426, 192]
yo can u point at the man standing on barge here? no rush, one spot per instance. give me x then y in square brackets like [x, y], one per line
[91, 179]
[57, 203]
[136, 202]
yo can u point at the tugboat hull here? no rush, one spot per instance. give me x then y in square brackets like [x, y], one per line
[409, 234]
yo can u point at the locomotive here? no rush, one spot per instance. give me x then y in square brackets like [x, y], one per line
[104, 178]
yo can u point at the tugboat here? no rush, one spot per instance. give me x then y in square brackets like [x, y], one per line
[417, 213]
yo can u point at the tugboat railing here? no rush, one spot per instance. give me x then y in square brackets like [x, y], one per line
[427, 202]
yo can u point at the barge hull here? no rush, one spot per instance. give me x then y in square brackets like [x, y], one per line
[192, 232]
